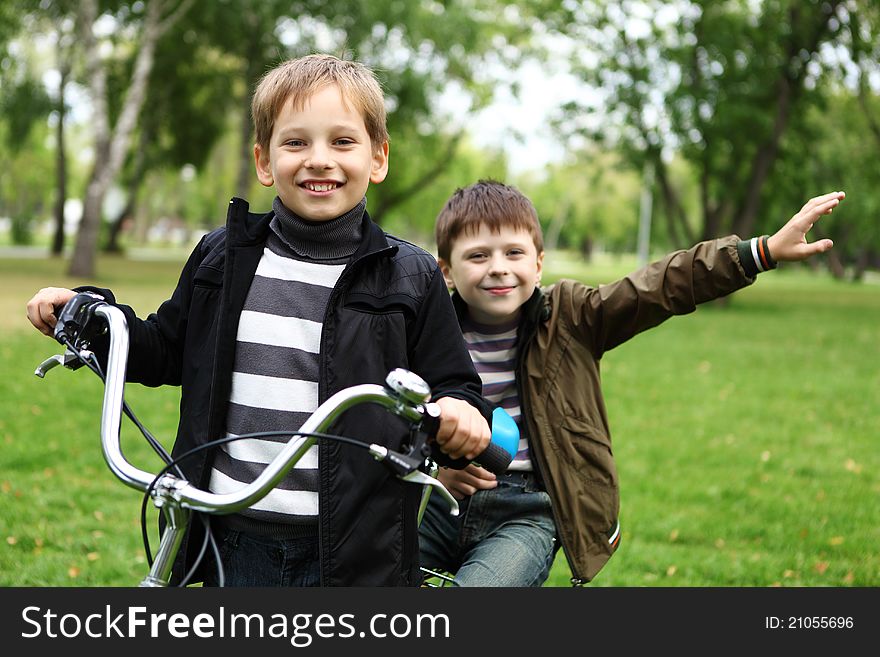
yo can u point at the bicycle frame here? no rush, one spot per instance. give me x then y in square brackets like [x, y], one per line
[405, 395]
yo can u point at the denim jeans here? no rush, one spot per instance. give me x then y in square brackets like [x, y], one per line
[252, 560]
[505, 536]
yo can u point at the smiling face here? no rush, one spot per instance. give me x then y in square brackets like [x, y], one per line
[494, 272]
[320, 158]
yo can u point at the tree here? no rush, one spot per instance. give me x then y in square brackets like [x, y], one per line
[213, 57]
[112, 142]
[24, 105]
[717, 83]
[590, 201]
[191, 92]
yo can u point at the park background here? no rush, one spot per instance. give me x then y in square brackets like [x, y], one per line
[745, 435]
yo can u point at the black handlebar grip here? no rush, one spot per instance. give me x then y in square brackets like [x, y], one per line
[74, 318]
[495, 459]
[503, 445]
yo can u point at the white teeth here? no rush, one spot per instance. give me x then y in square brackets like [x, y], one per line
[322, 187]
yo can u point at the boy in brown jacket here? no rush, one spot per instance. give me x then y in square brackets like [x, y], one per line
[537, 351]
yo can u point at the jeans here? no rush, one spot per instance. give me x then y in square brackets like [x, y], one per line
[505, 536]
[252, 560]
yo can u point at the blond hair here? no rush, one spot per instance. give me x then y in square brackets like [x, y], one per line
[485, 203]
[297, 79]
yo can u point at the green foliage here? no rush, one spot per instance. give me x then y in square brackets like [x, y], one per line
[721, 84]
[694, 87]
[25, 193]
[413, 215]
[591, 201]
[839, 152]
[22, 105]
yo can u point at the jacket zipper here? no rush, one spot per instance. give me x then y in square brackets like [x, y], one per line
[534, 444]
[322, 396]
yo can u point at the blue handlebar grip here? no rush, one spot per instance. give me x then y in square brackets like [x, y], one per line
[504, 444]
[505, 433]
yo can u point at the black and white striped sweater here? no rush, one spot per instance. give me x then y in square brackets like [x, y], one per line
[275, 374]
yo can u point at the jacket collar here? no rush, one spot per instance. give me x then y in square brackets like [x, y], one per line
[245, 228]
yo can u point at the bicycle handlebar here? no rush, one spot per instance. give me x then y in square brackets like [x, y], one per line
[404, 394]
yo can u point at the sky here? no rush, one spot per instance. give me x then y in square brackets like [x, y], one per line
[521, 125]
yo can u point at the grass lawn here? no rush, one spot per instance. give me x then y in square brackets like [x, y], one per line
[745, 438]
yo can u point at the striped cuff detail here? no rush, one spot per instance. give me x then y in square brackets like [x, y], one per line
[765, 251]
[754, 255]
[613, 535]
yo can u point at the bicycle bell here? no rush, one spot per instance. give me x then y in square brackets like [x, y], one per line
[408, 385]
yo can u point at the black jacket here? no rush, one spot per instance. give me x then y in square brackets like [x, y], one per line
[390, 308]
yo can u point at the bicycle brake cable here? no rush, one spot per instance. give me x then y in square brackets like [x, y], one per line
[174, 463]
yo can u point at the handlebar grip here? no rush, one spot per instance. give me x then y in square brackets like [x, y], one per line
[74, 318]
[503, 445]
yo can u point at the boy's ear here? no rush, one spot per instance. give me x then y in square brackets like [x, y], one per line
[540, 269]
[264, 167]
[446, 270]
[379, 167]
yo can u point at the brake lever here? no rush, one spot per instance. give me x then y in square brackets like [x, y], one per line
[405, 465]
[406, 468]
[418, 477]
[69, 359]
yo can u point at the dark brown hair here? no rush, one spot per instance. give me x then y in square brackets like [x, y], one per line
[485, 203]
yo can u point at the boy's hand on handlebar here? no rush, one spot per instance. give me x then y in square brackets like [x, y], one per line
[463, 431]
[466, 482]
[41, 307]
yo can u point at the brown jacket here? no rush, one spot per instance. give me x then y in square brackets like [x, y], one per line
[564, 332]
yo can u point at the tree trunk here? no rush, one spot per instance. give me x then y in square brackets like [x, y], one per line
[60, 159]
[789, 87]
[835, 266]
[744, 223]
[245, 153]
[113, 245]
[134, 185]
[863, 260]
[246, 129]
[551, 241]
[111, 146]
[586, 248]
[680, 232]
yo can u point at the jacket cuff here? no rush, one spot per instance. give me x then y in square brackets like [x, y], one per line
[754, 256]
[107, 295]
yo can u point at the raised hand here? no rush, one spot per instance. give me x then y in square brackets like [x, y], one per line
[790, 242]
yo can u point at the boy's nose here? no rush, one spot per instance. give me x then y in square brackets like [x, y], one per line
[498, 265]
[318, 158]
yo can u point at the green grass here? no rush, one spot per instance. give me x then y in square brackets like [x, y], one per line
[745, 438]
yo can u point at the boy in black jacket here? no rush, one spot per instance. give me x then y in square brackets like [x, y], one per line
[276, 312]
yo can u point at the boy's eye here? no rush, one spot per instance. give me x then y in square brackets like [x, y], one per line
[516, 252]
[477, 256]
[295, 143]
[344, 141]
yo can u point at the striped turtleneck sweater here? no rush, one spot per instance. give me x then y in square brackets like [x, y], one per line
[276, 367]
[493, 350]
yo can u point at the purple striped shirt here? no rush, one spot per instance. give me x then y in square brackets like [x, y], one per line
[493, 351]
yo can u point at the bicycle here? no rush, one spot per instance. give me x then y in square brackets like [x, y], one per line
[405, 394]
